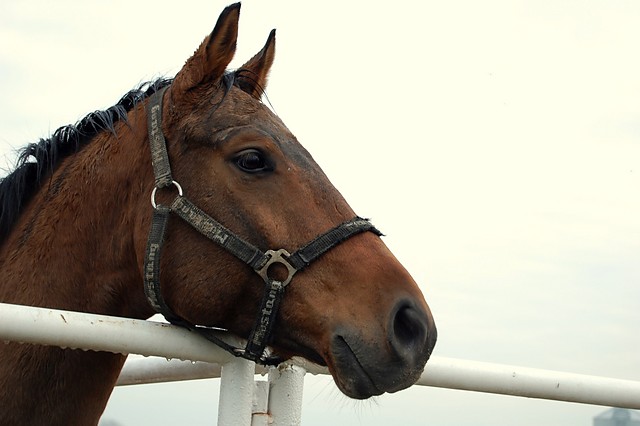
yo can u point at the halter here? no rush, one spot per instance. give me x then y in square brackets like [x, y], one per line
[260, 261]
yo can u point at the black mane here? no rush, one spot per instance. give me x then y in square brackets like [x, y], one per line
[38, 160]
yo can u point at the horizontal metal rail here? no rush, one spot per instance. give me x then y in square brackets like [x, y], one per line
[128, 336]
[503, 379]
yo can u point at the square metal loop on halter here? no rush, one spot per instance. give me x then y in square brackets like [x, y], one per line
[277, 256]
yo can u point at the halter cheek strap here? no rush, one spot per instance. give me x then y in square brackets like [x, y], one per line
[260, 261]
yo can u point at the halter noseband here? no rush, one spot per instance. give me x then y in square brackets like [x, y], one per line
[258, 260]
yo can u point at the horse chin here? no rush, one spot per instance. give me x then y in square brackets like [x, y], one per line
[350, 375]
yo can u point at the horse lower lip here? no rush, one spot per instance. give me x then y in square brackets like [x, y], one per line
[353, 378]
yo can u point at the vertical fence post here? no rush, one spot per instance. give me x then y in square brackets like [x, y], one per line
[285, 394]
[236, 393]
[260, 410]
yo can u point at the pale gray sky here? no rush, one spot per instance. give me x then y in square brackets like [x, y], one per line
[496, 143]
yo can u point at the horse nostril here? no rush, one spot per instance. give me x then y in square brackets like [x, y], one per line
[404, 327]
[409, 330]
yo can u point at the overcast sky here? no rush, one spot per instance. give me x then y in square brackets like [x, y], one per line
[496, 143]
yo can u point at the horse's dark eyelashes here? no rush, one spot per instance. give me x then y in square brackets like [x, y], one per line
[252, 161]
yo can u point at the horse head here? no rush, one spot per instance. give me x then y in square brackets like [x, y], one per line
[355, 309]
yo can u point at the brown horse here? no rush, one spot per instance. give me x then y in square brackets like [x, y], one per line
[76, 216]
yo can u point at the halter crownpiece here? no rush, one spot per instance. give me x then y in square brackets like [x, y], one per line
[260, 261]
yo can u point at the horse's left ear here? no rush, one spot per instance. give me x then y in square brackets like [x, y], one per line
[252, 76]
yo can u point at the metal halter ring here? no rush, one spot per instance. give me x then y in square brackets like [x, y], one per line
[153, 193]
[277, 256]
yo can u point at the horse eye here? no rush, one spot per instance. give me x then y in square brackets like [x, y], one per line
[252, 161]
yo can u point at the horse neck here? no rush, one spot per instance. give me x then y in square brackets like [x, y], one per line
[75, 247]
[76, 244]
[42, 385]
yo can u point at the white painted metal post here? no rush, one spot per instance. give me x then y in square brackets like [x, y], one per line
[285, 394]
[236, 393]
[260, 410]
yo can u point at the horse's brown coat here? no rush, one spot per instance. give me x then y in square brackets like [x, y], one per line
[79, 245]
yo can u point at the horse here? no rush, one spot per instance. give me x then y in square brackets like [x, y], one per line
[238, 208]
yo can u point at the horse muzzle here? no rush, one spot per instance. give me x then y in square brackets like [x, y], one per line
[394, 360]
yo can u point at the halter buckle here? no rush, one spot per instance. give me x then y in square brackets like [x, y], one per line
[277, 256]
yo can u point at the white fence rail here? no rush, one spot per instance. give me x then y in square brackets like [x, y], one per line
[279, 399]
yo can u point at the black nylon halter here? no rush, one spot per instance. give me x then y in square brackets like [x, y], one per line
[258, 260]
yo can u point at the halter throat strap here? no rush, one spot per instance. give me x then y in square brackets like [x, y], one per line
[258, 260]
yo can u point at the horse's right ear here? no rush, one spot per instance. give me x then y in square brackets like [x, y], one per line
[210, 61]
